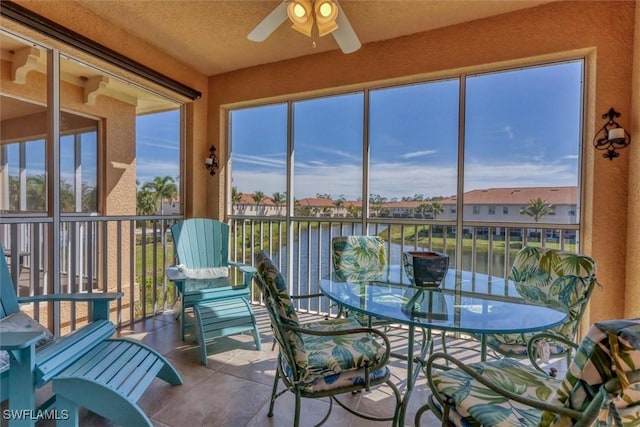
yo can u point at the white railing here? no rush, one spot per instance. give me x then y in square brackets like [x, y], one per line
[126, 254]
[130, 253]
[487, 248]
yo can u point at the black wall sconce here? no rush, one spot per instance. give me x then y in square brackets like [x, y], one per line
[211, 163]
[611, 136]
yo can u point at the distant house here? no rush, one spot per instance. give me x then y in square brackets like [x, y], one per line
[248, 206]
[487, 205]
[505, 204]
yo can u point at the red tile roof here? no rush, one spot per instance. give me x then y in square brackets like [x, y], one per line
[521, 196]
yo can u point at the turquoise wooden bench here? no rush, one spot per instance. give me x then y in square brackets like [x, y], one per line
[86, 368]
[202, 277]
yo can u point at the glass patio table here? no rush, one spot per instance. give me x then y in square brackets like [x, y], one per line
[464, 302]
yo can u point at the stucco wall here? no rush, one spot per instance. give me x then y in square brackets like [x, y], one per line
[601, 31]
[632, 290]
[196, 136]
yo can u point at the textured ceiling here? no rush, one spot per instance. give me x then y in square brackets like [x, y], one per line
[210, 35]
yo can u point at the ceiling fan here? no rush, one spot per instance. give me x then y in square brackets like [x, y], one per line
[327, 15]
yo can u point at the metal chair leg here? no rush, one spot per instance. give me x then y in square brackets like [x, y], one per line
[274, 393]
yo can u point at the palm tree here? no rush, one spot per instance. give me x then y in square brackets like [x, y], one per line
[258, 197]
[375, 203]
[436, 209]
[236, 197]
[164, 188]
[279, 199]
[354, 211]
[36, 193]
[67, 197]
[146, 202]
[537, 209]
[424, 209]
[339, 204]
[14, 193]
[89, 198]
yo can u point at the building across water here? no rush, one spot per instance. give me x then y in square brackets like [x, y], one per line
[555, 205]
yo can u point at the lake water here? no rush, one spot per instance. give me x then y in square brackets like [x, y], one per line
[314, 256]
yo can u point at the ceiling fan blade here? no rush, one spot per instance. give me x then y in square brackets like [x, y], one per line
[345, 35]
[269, 24]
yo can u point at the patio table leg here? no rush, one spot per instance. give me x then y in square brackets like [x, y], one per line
[412, 371]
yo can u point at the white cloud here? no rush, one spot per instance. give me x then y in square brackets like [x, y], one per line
[165, 143]
[399, 179]
[338, 153]
[418, 154]
[508, 131]
[259, 160]
[146, 172]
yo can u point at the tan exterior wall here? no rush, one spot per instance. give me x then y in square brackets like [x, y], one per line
[118, 175]
[632, 290]
[196, 137]
[603, 32]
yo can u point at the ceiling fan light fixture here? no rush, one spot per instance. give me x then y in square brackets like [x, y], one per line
[326, 12]
[300, 14]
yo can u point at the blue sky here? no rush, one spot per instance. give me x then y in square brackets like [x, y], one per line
[522, 129]
[158, 146]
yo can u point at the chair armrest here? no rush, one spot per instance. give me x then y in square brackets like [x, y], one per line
[99, 301]
[172, 273]
[19, 340]
[21, 346]
[247, 272]
[547, 336]
[543, 405]
[245, 268]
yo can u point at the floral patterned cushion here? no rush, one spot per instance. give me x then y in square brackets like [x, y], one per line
[328, 362]
[358, 258]
[553, 278]
[322, 362]
[273, 278]
[610, 348]
[21, 322]
[474, 404]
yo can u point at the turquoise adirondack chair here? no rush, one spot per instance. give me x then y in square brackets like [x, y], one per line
[86, 367]
[218, 307]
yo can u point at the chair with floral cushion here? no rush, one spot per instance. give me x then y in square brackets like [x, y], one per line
[363, 259]
[549, 277]
[325, 358]
[358, 258]
[601, 387]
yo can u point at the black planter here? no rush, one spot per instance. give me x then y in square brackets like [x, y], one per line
[425, 269]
